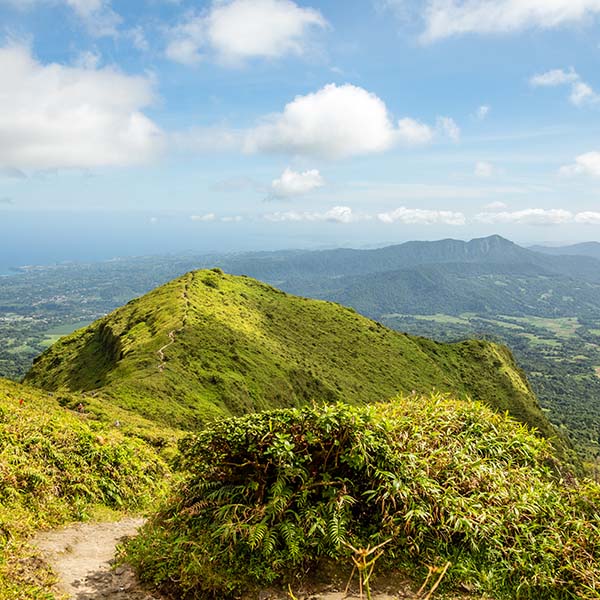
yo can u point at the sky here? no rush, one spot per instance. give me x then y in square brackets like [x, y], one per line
[153, 126]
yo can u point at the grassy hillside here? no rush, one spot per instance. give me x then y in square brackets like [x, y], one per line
[59, 465]
[208, 345]
[271, 497]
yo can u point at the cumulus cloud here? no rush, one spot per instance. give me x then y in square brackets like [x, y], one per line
[334, 122]
[57, 116]
[554, 77]
[581, 92]
[588, 218]
[528, 216]
[97, 15]
[484, 169]
[206, 218]
[418, 216]
[483, 111]
[585, 164]
[448, 18]
[449, 128]
[337, 214]
[496, 206]
[413, 132]
[292, 183]
[237, 30]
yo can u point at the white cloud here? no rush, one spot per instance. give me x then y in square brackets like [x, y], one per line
[88, 60]
[206, 218]
[581, 92]
[483, 111]
[97, 15]
[337, 214]
[585, 164]
[449, 128]
[341, 214]
[57, 116]
[291, 183]
[232, 219]
[418, 216]
[496, 206]
[529, 216]
[413, 132]
[137, 35]
[484, 169]
[237, 30]
[334, 122]
[554, 78]
[447, 18]
[588, 218]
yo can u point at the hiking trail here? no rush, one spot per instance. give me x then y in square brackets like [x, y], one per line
[81, 555]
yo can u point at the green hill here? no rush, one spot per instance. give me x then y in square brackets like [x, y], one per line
[208, 345]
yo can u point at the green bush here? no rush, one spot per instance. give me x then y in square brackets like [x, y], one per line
[270, 496]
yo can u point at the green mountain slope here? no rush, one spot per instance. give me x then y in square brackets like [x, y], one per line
[208, 345]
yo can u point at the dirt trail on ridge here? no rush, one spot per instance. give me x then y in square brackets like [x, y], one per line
[81, 556]
[173, 333]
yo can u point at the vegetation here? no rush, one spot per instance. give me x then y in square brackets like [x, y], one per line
[209, 345]
[560, 357]
[492, 278]
[59, 465]
[271, 497]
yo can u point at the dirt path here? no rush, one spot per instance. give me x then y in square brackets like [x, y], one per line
[161, 351]
[173, 333]
[81, 556]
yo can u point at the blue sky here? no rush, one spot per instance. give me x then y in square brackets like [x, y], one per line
[162, 125]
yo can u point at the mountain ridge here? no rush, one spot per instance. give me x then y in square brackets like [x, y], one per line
[208, 345]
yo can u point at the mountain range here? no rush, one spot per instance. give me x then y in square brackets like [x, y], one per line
[489, 275]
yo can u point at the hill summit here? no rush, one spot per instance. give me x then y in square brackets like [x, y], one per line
[208, 345]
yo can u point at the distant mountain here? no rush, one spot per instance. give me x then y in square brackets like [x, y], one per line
[208, 344]
[489, 275]
[277, 267]
[591, 249]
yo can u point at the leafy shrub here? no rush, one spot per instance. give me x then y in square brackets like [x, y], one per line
[269, 496]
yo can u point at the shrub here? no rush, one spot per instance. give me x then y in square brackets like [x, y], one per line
[270, 496]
